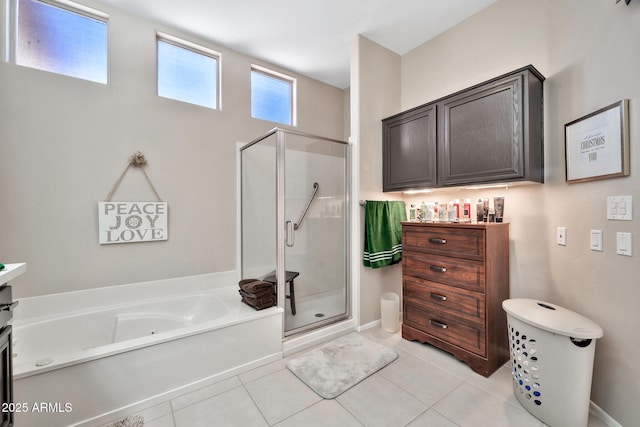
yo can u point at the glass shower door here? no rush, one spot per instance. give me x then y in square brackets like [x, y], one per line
[258, 209]
[315, 231]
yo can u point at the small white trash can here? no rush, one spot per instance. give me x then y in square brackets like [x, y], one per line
[390, 312]
[552, 351]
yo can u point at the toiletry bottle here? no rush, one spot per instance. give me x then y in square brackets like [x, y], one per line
[485, 209]
[443, 212]
[467, 209]
[435, 211]
[479, 211]
[425, 212]
[412, 213]
[456, 206]
[498, 205]
[452, 212]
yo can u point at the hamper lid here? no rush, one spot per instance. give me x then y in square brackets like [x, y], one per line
[552, 318]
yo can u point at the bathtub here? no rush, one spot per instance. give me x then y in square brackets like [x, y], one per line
[82, 358]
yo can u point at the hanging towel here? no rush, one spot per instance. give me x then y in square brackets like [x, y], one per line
[383, 233]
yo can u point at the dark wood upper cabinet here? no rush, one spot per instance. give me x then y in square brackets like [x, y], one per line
[409, 144]
[489, 133]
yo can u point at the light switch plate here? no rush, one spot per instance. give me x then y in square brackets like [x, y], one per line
[595, 240]
[624, 244]
[561, 236]
[620, 208]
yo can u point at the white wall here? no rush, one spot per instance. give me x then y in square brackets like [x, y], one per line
[64, 142]
[587, 49]
[375, 94]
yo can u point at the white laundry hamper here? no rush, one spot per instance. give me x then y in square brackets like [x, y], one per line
[552, 351]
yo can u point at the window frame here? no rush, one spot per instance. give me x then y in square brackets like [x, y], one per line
[9, 16]
[283, 77]
[195, 48]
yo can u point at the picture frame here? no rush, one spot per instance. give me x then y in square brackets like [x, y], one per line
[597, 145]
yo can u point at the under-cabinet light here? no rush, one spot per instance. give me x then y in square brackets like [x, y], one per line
[482, 187]
[417, 191]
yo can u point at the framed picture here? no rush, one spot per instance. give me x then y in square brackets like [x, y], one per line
[597, 145]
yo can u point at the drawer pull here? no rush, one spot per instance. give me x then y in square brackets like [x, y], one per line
[438, 240]
[437, 296]
[8, 306]
[438, 324]
[437, 269]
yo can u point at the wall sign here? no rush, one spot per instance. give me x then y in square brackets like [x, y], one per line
[597, 145]
[128, 222]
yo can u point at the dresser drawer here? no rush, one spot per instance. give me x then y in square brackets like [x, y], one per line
[444, 299]
[446, 327]
[446, 241]
[457, 272]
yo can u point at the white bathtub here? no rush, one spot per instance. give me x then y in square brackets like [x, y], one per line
[89, 355]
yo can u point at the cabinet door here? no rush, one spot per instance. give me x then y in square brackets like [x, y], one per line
[409, 149]
[482, 133]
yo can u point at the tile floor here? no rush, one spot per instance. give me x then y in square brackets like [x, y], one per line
[423, 387]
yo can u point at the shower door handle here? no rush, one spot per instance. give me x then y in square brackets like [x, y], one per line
[290, 238]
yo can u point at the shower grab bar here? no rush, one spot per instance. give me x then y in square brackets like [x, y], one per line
[297, 224]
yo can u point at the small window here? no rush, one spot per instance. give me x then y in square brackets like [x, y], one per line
[187, 72]
[272, 96]
[64, 40]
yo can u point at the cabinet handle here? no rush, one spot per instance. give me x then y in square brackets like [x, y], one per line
[438, 324]
[437, 296]
[438, 240]
[437, 269]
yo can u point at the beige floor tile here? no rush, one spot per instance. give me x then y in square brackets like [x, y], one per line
[205, 393]
[230, 409]
[322, 414]
[280, 395]
[469, 406]
[432, 418]
[421, 379]
[166, 421]
[376, 401]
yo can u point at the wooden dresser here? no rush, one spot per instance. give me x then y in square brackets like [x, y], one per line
[454, 279]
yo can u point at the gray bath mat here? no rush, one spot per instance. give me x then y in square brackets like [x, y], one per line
[337, 366]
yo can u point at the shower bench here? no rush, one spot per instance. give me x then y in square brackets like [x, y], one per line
[288, 278]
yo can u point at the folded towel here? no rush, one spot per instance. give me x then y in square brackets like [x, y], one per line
[383, 233]
[260, 294]
[243, 282]
[257, 287]
[257, 298]
[258, 303]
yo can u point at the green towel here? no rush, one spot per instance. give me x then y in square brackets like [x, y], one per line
[383, 233]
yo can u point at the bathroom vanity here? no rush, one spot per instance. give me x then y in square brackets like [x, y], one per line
[454, 279]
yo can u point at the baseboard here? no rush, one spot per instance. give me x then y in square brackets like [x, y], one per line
[606, 418]
[369, 325]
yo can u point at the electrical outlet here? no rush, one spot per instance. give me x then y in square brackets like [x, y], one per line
[561, 236]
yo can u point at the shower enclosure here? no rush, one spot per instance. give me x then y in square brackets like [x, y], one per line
[295, 224]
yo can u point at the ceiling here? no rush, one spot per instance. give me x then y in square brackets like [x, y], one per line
[309, 37]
